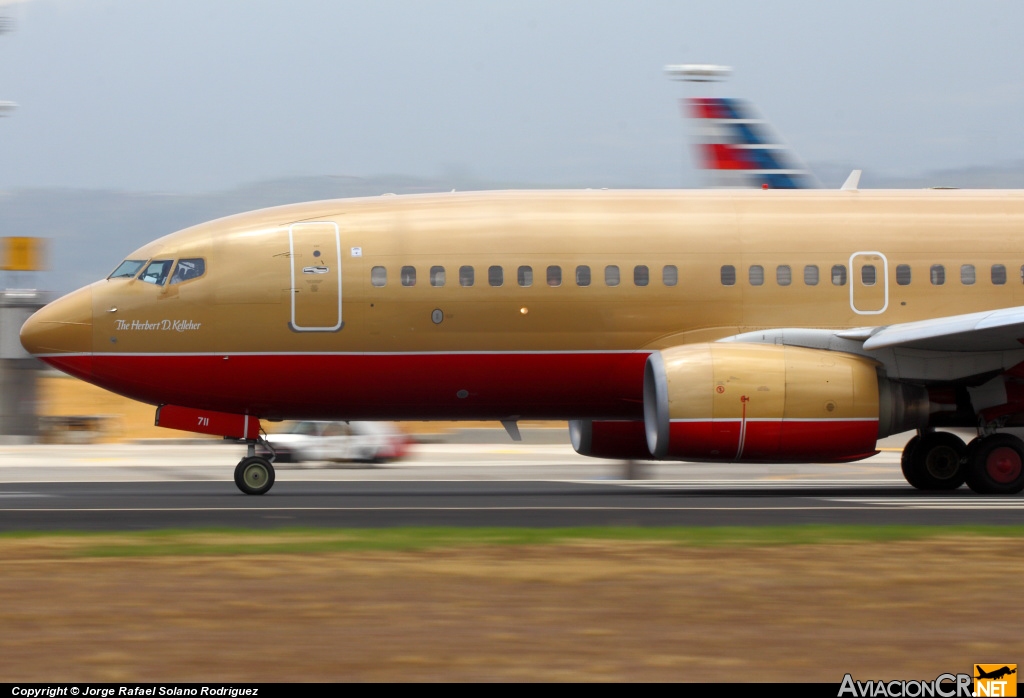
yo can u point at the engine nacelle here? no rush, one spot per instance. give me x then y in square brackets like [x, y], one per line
[623, 440]
[765, 402]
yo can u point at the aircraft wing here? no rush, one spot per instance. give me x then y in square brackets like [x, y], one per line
[994, 330]
[973, 346]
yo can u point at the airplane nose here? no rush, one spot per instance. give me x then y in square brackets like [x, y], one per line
[61, 327]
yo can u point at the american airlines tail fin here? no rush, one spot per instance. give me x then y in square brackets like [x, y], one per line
[740, 149]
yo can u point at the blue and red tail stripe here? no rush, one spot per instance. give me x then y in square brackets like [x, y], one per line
[740, 149]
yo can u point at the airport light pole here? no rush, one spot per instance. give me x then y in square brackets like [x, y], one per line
[19, 419]
[5, 26]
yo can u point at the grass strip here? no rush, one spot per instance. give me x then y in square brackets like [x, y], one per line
[232, 541]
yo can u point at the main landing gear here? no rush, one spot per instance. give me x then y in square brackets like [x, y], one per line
[992, 464]
[255, 474]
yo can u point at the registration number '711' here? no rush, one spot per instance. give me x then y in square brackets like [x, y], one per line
[233, 426]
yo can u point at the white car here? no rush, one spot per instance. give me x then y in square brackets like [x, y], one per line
[371, 442]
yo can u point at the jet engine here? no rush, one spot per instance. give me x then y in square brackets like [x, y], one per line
[760, 402]
[625, 440]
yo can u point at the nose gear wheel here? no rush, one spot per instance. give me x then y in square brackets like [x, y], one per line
[254, 475]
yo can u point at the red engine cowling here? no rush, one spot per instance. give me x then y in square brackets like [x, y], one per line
[760, 402]
[624, 440]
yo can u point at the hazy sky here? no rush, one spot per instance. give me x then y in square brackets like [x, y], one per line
[199, 95]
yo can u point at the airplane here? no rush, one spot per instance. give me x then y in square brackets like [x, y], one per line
[740, 149]
[994, 674]
[768, 326]
[733, 142]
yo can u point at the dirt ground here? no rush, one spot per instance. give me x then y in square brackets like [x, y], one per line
[592, 611]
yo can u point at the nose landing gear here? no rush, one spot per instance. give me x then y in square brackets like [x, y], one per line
[255, 474]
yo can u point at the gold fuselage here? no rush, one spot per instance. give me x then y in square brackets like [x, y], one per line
[243, 302]
[259, 273]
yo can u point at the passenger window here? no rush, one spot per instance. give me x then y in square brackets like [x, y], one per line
[611, 275]
[998, 274]
[408, 276]
[728, 275]
[670, 275]
[967, 276]
[867, 274]
[838, 275]
[783, 275]
[811, 275]
[156, 272]
[903, 274]
[127, 269]
[641, 275]
[466, 276]
[437, 276]
[938, 274]
[554, 276]
[756, 275]
[525, 276]
[188, 269]
[495, 276]
[379, 276]
[583, 275]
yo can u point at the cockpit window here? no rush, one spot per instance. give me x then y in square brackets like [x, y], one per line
[127, 269]
[156, 272]
[187, 270]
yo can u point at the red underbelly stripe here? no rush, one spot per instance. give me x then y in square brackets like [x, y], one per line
[379, 386]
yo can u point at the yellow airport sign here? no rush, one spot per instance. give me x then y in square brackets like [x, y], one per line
[23, 254]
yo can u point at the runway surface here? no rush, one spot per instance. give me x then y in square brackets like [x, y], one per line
[140, 487]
